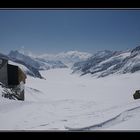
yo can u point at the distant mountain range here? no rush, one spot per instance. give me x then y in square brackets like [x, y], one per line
[38, 63]
[68, 58]
[32, 64]
[104, 63]
[100, 64]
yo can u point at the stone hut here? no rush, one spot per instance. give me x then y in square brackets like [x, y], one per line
[12, 77]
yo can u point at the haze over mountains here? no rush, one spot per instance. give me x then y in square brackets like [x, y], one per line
[68, 58]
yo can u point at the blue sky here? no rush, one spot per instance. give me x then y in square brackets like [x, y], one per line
[52, 31]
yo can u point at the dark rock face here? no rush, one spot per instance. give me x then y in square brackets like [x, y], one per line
[136, 95]
[136, 50]
[13, 93]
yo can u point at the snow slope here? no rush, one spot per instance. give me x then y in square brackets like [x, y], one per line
[104, 63]
[66, 101]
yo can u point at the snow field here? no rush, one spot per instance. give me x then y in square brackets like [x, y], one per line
[66, 101]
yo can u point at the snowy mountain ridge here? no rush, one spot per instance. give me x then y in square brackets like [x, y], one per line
[104, 63]
[37, 63]
[100, 64]
[66, 57]
[34, 64]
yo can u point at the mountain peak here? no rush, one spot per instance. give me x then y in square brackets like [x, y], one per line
[16, 54]
[22, 50]
[101, 54]
[136, 50]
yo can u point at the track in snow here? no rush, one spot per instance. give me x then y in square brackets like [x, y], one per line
[123, 116]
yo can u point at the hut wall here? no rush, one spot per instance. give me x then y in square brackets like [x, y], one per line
[21, 76]
[3, 72]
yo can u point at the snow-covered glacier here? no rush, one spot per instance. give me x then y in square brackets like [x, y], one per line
[65, 101]
[102, 99]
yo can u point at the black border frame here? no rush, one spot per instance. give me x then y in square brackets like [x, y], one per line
[70, 5]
